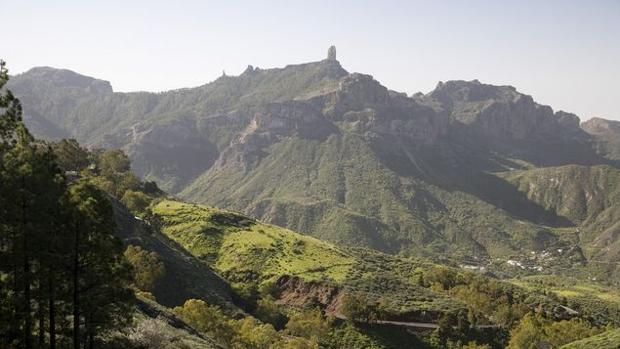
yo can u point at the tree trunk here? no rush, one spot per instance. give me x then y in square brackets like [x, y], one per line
[14, 325]
[52, 311]
[26, 271]
[91, 341]
[76, 298]
[41, 314]
[27, 307]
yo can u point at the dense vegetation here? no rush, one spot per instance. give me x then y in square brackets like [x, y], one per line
[62, 277]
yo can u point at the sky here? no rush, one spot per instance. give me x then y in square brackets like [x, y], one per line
[565, 54]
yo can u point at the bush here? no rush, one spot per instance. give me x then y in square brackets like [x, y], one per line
[308, 324]
[136, 201]
[147, 267]
[151, 334]
[268, 311]
[208, 319]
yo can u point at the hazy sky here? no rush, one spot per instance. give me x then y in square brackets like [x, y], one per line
[564, 53]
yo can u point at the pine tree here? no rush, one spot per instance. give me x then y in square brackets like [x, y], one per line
[100, 275]
[54, 242]
[11, 112]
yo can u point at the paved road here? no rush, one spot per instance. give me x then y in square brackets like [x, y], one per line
[424, 325]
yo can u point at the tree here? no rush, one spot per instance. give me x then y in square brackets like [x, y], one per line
[251, 334]
[151, 334]
[308, 324]
[147, 267]
[355, 307]
[207, 319]
[10, 118]
[295, 343]
[70, 155]
[113, 162]
[529, 333]
[474, 345]
[567, 331]
[31, 178]
[136, 201]
[11, 109]
[31, 192]
[268, 311]
[53, 242]
[101, 299]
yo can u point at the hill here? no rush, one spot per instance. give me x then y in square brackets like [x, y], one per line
[253, 255]
[186, 277]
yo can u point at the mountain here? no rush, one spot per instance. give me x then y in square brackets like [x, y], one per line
[606, 134]
[337, 155]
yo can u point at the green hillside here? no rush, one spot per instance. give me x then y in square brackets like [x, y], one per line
[186, 276]
[251, 254]
[237, 244]
[254, 256]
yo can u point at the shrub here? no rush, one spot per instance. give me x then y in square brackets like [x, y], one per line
[151, 334]
[147, 267]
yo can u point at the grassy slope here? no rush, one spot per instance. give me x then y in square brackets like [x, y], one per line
[251, 252]
[234, 243]
[186, 276]
[606, 340]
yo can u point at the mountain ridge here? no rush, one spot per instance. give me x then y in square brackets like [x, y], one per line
[335, 154]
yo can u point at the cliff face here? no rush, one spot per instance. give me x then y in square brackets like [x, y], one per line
[501, 112]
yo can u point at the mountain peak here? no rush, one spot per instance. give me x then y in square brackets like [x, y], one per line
[65, 78]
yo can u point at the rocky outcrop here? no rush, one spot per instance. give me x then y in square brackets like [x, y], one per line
[296, 292]
[606, 134]
[501, 112]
